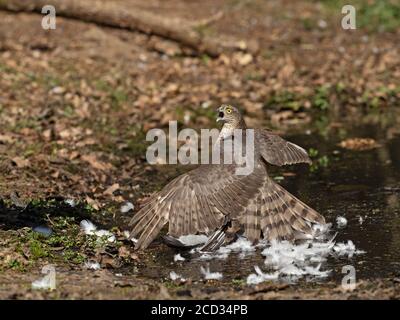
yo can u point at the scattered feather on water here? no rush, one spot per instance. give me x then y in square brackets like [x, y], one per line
[174, 276]
[341, 221]
[70, 202]
[292, 262]
[286, 260]
[105, 234]
[208, 275]
[259, 276]
[297, 260]
[316, 272]
[92, 265]
[178, 257]
[90, 229]
[241, 246]
[321, 231]
[347, 249]
[126, 207]
[205, 256]
[127, 235]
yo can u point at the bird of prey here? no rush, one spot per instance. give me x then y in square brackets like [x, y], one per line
[213, 200]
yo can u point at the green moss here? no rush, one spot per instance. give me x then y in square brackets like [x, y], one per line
[209, 113]
[69, 111]
[238, 282]
[6, 69]
[318, 162]
[26, 123]
[313, 153]
[321, 98]
[73, 256]
[49, 81]
[137, 145]
[118, 97]
[38, 250]
[205, 59]
[102, 85]
[172, 284]
[36, 243]
[383, 96]
[33, 149]
[16, 265]
[42, 203]
[308, 24]
[284, 100]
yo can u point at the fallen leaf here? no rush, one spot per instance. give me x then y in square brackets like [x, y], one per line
[358, 144]
[94, 203]
[111, 189]
[5, 138]
[58, 90]
[123, 252]
[20, 162]
[243, 58]
[110, 263]
[95, 163]
[47, 134]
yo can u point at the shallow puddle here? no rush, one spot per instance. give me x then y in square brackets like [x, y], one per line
[362, 186]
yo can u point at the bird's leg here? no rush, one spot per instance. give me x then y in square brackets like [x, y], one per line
[226, 234]
[232, 231]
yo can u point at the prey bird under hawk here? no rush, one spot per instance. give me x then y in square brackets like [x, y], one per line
[213, 200]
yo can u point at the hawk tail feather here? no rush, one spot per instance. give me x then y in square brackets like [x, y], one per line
[147, 223]
[275, 214]
[278, 215]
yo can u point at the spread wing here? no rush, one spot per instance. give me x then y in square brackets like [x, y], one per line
[278, 151]
[196, 202]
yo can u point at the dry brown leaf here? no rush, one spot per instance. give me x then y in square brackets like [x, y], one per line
[95, 163]
[47, 134]
[243, 58]
[118, 199]
[358, 144]
[70, 133]
[94, 203]
[111, 189]
[109, 262]
[123, 252]
[73, 155]
[86, 142]
[20, 162]
[5, 138]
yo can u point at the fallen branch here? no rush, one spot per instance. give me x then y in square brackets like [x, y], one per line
[101, 12]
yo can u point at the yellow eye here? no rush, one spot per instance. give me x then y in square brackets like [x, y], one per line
[228, 110]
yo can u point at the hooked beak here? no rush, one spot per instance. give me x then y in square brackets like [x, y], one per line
[220, 116]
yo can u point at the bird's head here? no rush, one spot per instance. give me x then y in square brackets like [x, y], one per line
[229, 115]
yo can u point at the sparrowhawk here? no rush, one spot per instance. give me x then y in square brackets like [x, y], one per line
[212, 199]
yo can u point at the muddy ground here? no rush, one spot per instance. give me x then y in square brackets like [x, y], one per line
[76, 102]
